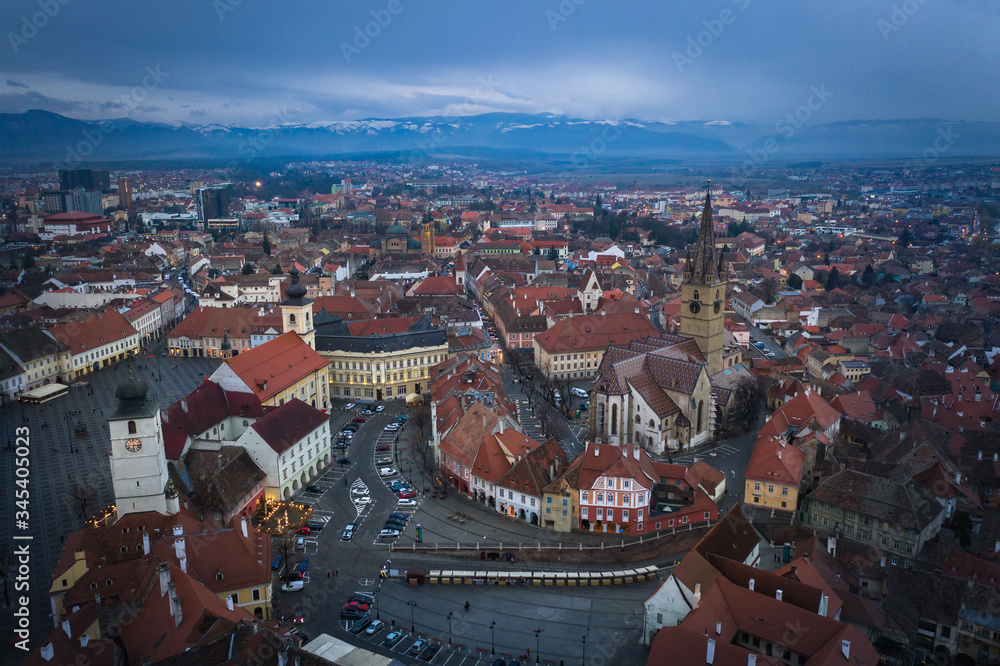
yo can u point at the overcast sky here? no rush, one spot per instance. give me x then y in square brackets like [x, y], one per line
[257, 63]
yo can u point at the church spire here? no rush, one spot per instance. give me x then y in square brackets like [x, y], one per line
[705, 259]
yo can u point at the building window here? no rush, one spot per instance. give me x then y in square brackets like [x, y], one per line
[132, 428]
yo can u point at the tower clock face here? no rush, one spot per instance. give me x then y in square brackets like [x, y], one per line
[718, 306]
[695, 307]
[133, 445]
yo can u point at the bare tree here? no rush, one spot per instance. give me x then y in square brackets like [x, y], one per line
[748, 395]
[770, 288]
[82, 498]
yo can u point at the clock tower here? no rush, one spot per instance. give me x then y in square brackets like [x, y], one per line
[296, 311]
[703, 293]
[138, 460]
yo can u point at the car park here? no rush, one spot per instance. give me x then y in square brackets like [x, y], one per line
[348, 532]
[293, 586]
[388, 533]
[375, 627]
[430, 652]
[360, 625]
[394, 637]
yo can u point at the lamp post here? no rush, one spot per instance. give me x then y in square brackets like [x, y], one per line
[537, 634]
[377, 591]
[450, 615]
[413, 624]
[584, 660]
[493, 649]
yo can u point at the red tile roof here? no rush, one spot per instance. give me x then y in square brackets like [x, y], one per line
[771, 462]
[285, 425]
[93, 332]
[276, 365]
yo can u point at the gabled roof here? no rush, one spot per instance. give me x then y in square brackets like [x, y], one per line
[773, 462]
[286, 425]
[205, 407]
[908, 505]
[272, 367]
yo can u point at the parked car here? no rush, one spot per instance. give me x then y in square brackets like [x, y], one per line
[344, 461]
[348, 532]
[293, 586]
[407, 502]
[375, 627]
[380, 408]
[304, 564]
[579, 392]
[297, 616]
[359, 419]
[300, 543]
[303, 530]
[365, 499]
[430, 652]
[288, 578]
[402, 418]
[387, 471]
[356, 605]
[349, 405]
[409, 493]
[417, 646]
[388, 533]
[383, 447]
[392, 638]
[315, 526]
[353, 614]
[360, 625]
[394, 525]
[385, 460]
[401, 516]
[363, 598]
[276, 563]
[367, 411]
[315, 489]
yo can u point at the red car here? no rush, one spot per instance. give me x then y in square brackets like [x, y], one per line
[303, 530]
[359, 419]
[407, 494]
[382, 447]
[356, 605]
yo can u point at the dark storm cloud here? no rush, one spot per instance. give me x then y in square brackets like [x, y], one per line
[748, 60]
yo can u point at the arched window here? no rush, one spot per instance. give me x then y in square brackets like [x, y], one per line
[291, 319]
[696, 296]
[700, 406]
[716, 294]
[651, 424]
[637, 419]
[614, 419]
[132, 429]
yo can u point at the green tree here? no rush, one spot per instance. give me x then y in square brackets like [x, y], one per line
[266, 245]
[904, 238]
[794, 281]
[247, 269]
[553, 254]
[276, 270]
[833, 279]
[868, 277]
[770, 288]
[538, 251]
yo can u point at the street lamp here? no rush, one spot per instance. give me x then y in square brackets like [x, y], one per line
[537, 633]
[413, 624]
[493, 649]
[450, 615]
[377, 591]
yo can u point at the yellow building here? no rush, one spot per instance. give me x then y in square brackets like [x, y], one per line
[773, 475]
[379, 359]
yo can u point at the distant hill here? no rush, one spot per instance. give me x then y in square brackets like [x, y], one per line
[41, 136]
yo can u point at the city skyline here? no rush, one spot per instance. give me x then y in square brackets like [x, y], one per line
[228, 61]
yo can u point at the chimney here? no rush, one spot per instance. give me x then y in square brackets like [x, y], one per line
[824, 605]
[979, 456]
[845, 647]
[145, 543]
[175, 605]
[978, 396]
[637, 310]
[47, 651]
[635, 451]
[84, 640]
[180, 547]
[97, 598]
[484, 419]
[65, 627]
[164, 578]
[696, 597]
[750, 585]
[552, 472]
[794, 568]
[958, 478]
[710, 652]
[718, 627]
[597, 451]
[751, 659]
[779, 454]
[184, 405]
[778, 594]
[243, 524]
[229, 602]
[501, 426]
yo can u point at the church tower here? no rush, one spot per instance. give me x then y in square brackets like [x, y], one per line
[427, 238]
[703, 294]
[138, 461]
[460, 272]
[296, 311]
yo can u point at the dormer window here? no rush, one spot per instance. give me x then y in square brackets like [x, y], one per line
[218, 576]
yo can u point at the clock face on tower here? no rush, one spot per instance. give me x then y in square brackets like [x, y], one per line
[718, 306]
[133, 445]
[695, 307]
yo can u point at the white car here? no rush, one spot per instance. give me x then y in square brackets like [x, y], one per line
[579, 392]
[387, 471]
[380, 408]
[349, 405]
[293, 586]
[407, 502]
[363, 500]
[388, 533]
